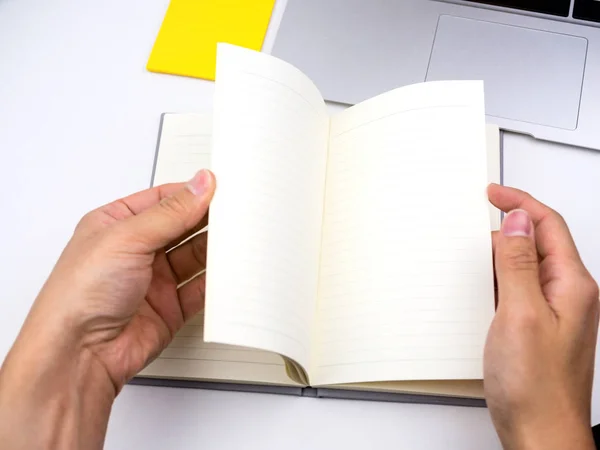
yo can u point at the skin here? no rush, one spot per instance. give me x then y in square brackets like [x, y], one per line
[539, 356]
[115, 299]
[108, 308]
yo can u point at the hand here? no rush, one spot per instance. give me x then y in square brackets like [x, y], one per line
[111, 304]
[539, 356]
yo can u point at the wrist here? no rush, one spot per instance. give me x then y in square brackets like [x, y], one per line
[50, 384]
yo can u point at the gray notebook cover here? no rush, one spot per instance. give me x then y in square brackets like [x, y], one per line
[312, 392]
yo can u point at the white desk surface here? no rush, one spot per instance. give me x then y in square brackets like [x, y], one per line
[78, 122]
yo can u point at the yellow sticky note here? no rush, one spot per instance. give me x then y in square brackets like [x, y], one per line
[187, 41]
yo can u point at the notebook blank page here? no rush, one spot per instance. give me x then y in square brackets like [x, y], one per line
[406, 282]
[269, 157]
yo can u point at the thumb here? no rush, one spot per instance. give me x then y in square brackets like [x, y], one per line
[516, 261]
[175, 215]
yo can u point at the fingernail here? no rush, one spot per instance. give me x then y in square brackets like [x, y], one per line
[199, 183]
[517, 223]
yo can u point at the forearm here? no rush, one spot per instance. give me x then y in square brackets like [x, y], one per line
[53, 399]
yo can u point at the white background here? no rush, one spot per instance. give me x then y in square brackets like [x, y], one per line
[79, 116]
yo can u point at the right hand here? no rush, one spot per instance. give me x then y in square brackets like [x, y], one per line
[539, 355]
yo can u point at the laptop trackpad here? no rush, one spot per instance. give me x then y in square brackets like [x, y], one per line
[530, 75]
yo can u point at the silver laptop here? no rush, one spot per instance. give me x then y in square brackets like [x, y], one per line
[540, 59]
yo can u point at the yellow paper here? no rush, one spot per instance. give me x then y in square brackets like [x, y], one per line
[187, 41]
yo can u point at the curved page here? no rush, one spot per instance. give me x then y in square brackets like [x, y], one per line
[184, 148]
[269, 156]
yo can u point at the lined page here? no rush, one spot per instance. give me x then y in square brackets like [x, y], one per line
[269, 156]
[406, 282]
[189, 357]
[184, 148]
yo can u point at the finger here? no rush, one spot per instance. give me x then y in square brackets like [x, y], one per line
[495, 237]
[191, 296]
[125, 207]
[189, 258]
[201, 225]
[140, 201]
[173, 216]
[516, 262]
[162, 295]
[552, 234]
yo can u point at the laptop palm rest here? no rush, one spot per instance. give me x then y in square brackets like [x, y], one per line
[522, 68]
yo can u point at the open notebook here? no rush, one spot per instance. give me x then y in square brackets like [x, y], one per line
[356, 246]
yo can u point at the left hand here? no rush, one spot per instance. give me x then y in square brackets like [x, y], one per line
[110, 306]
[115, 288]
